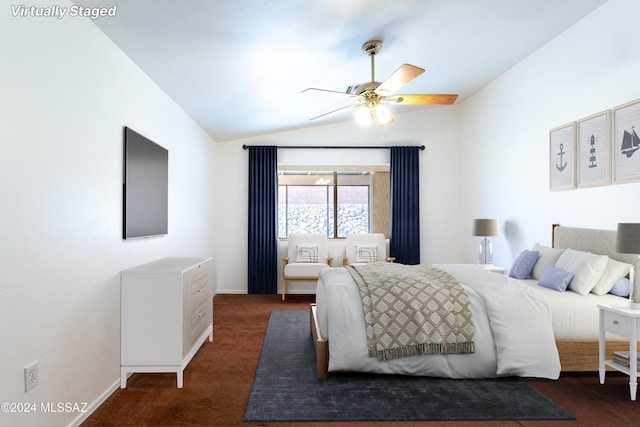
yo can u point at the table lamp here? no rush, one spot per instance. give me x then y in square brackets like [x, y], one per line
[628, 242]
[485, 227]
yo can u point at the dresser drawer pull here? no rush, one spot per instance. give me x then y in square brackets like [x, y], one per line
[615, 322]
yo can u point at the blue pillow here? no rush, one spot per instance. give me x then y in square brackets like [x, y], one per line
[621, 287]
[522, 268]
[556, 279]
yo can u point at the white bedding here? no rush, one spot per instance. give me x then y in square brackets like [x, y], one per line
[574, 316]
[513, 329]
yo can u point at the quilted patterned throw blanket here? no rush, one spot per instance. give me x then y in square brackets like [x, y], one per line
[411, 310]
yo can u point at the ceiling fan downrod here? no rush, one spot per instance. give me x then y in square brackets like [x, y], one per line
[371, 48]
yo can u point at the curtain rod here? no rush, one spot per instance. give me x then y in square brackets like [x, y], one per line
[351, 147]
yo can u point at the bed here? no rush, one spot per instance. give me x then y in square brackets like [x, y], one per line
[522, 328]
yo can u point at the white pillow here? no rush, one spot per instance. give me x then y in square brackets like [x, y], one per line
[587, 268]
[614, 270]
[366, 254]
[306, 253]
[547, 258]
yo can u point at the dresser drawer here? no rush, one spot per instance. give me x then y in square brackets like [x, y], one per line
[199, 273]
[617, 324]
[199, 287]
[199, 279]
[199, 320]
[199, 294]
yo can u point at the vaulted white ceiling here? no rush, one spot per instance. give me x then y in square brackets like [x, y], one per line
[238, 67]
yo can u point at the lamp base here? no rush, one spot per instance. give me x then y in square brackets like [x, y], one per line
[486, 252]
[634, 305]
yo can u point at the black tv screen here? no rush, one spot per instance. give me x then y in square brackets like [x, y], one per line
[146, 186]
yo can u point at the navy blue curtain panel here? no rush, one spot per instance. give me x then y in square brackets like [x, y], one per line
[404, 242]
[263, 220]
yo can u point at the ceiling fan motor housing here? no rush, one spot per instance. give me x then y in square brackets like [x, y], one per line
[362, 88]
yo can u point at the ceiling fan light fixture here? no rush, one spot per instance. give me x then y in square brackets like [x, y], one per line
[382, 115]
[363, 117]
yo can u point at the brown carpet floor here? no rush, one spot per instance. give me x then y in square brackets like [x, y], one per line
[218, 381]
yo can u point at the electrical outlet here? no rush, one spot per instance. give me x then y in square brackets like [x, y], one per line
[31, 376]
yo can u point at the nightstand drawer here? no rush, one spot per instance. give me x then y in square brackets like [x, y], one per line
[617, 324]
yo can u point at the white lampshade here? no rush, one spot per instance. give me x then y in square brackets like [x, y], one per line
[485, 227]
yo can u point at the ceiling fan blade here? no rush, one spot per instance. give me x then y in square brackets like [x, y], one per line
[399, 78]
[332, 92]
[423, 99]
[338, 111]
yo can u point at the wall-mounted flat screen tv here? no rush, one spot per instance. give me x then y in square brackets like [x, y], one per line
[146, 186]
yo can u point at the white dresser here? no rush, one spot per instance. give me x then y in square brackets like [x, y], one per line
[166, 315]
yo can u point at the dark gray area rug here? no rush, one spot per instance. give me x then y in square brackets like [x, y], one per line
[286, 389]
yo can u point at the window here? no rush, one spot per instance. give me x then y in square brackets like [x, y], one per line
[334, 202]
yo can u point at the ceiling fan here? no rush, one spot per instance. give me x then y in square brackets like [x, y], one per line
[370, 96]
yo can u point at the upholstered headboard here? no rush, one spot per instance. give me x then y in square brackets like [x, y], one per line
[601, 242]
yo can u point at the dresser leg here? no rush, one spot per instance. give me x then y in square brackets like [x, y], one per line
[602, 369]
[633, 360]
[179, 376]
[123, 378]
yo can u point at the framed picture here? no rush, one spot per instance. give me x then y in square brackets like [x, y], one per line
[593, 150]
[626, 157]
[562, 142]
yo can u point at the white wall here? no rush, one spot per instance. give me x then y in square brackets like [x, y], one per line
[67, 92]
[591, 67]
[435, 127]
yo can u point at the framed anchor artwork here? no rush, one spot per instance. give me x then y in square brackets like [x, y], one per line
[626, 156]
[594, 150]
[562, 143]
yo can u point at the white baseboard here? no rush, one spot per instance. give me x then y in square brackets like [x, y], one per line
[290, 292]
[230, 292]
[95, 404]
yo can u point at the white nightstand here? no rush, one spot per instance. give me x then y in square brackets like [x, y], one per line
[622, 321]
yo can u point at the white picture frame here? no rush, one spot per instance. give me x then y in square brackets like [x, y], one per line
[593, 144]
[562, 142]
[626, 145]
